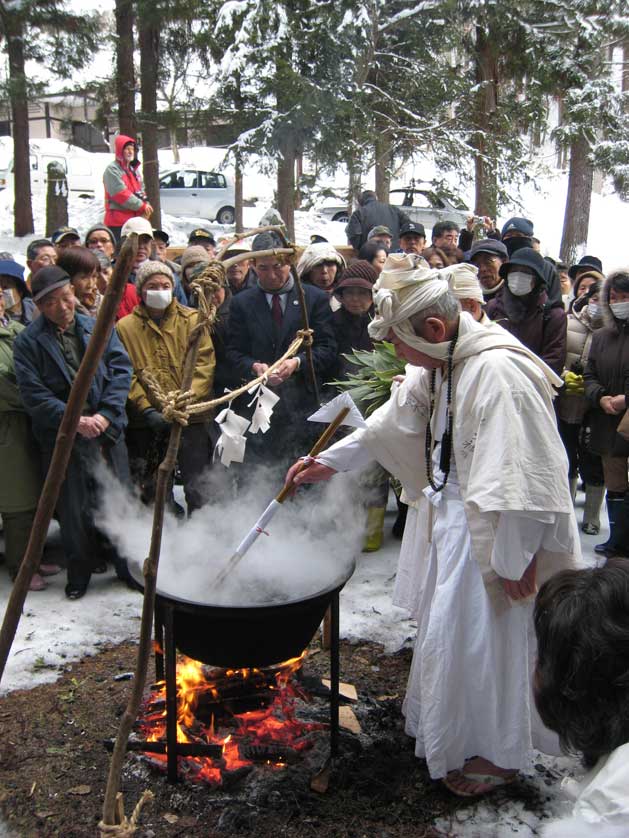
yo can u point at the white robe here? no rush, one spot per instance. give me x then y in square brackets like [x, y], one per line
[469, 686]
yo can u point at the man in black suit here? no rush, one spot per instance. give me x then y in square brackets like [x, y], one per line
[263, 323]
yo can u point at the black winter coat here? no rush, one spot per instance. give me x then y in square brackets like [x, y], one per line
[375, 214]
[351, 333]
[607, 374]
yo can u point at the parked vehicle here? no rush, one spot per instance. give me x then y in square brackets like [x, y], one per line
[82, 168]
[422, 204]
[188, 191]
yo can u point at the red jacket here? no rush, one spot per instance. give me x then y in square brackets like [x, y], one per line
[124, 191]
[129, 301]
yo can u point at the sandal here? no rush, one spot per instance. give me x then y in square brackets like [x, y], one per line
[37, 583]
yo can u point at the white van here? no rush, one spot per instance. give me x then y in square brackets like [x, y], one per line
[201, 194]
[83, 172]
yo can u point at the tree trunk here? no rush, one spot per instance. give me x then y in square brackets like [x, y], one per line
[354, 185]
[286, 182]
[125, 70]
[486, 197]
[56, 198]
[577, 215]
[13, 27]
[384, 162]
[149, 26]
[238, 193]
[174, 145]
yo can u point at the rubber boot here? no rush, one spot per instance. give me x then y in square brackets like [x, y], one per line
[614, 501]
[591, 513]
[375, 529]
[400, 521]
[574, 482]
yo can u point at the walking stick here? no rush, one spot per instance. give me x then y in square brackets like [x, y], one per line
[63, 445]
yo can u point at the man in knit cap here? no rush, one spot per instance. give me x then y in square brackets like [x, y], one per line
[156, 335]
[192, 257]
[471, 434]
[47, 356]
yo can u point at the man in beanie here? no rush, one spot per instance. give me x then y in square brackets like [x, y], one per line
[47, 355]
[192, 256]
[471, 434]
[100, 238]
[517, 233]
[263, 323]
[124, 192]
[487, 256]
[156, 336]
[523, 308]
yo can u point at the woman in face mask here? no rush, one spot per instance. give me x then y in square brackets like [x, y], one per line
[572, 406]
[156, 336]
[606, 390]
[523, 308]
[18, 304]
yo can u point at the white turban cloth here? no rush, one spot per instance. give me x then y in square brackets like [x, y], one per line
[405, 288]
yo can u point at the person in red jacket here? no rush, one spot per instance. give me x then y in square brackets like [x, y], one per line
[124, 191]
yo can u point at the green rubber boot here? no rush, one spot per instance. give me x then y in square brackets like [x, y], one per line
[375, 529]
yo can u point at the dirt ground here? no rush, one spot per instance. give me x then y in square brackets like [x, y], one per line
[53, 766]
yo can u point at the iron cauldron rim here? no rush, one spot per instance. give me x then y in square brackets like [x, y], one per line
[204, 608]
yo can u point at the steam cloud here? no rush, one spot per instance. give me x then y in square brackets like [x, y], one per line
[312, 539]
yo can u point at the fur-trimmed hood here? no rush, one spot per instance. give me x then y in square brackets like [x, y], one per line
[317, 253]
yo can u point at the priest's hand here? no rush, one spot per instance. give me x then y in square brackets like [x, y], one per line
[314, 473]
[524, 587]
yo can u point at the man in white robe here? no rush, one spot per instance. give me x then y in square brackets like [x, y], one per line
[496, 518]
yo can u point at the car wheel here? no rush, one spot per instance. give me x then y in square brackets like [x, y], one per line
[226, 215]
[343, 217]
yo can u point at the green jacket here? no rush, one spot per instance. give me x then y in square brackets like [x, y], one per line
[20, 464]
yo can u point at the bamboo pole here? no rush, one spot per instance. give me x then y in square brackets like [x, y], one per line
[205, 289]
[63, 445]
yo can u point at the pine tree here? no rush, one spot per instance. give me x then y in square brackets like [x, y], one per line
[42, 31]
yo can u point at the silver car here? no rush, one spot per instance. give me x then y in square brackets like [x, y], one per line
[188, 191]
[422, 205]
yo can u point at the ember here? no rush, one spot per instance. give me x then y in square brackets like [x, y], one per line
[250, 714]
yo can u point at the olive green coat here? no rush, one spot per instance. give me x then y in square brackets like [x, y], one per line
[20, 475]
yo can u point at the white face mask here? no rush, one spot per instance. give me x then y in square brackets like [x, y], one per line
[520, 283]
[8, 297]
[159, 300]
[594, 310]
[620, 310]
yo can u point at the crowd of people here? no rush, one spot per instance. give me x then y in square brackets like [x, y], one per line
[512, 358]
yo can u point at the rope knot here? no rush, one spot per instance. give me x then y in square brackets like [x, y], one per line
[176, 406]
[307, 335]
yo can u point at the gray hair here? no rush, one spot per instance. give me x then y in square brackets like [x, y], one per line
[446, 308]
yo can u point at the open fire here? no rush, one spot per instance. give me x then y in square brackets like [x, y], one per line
[250, 714]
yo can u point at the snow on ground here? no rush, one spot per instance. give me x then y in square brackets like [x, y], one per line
[54, 631]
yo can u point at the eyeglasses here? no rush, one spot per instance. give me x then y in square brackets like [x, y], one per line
[105, 240]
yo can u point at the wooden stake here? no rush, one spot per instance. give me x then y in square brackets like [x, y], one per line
[63, 445]
[151, 564]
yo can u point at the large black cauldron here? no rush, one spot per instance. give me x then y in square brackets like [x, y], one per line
[245, 636]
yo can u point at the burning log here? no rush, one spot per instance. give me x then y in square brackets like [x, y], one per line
[184, 749]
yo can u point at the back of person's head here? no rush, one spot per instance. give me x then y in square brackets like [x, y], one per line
[581, 682]
[366, 196]
[453, 254]
[370, 248]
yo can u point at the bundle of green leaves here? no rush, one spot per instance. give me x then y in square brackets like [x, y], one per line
[371, 376]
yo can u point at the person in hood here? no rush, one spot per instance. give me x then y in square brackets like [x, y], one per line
[572, 407]
[156, 336]
[606, 390]
[523, 308]
[18, 303]
[374, 213]
[518, 233]
[320, 264]
[124, 192]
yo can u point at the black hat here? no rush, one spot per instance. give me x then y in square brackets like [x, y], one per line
[63, 233]
[317, 239]
[518, 225]
[161, 235]
[492, 246]
[201, 234]
[528, 258]
[412, 227]
[47, 280]
[586, 262]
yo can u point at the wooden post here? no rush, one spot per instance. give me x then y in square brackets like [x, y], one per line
[63, 445]
[56, 198]
[165, 470]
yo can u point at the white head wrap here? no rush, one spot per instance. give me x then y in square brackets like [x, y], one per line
[405, 288]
